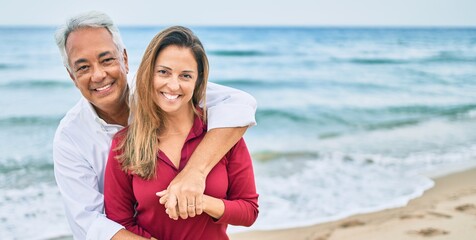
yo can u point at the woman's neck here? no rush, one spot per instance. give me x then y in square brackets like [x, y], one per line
[178, 124]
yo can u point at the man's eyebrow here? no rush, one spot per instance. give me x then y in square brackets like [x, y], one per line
[79, 61]
[104, 54]
[83, 60]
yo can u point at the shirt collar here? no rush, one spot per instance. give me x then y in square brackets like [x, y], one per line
[92, 112]
[197, 129]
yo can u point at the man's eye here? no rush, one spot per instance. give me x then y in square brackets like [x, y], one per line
[108, 60]
[82, 68]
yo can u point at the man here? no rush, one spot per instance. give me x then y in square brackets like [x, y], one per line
[97, 62]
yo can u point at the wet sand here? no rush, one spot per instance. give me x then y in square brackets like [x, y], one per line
[446, 211]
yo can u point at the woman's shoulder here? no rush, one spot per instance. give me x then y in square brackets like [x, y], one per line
[120, 135]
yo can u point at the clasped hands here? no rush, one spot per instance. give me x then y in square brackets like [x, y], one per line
[184, 196]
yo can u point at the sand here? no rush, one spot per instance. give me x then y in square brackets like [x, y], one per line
[446, 211]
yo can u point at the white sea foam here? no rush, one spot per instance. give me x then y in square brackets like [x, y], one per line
[35, 212]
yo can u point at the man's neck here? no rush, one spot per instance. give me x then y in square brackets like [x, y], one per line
[119, 115]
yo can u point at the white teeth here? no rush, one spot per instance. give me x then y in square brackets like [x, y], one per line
[170, 96]
[103, 88]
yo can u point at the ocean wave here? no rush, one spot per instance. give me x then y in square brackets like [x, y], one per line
[331, 179]
[37, 84]
[9, 66]
[447, 111]
[275, 113]
[20, 174]
[372, 61]
[439, 57]
[418, 114]
[29, 121]
[271, 155]
[256, 83]
[332, 123]
[31, 166]
[450, 57]
[237, 53]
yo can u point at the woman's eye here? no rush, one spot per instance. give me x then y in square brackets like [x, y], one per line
[162, 72]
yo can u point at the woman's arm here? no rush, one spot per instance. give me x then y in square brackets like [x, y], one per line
[241, 204]
[119, 197]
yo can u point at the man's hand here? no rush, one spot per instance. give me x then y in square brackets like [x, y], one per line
[184, 196]
[123, 234]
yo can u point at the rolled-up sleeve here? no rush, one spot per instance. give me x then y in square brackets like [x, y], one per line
[229, 107]
[78, 184]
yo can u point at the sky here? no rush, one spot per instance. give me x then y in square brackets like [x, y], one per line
[248, 12]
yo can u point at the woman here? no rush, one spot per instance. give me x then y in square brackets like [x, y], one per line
[166, 127]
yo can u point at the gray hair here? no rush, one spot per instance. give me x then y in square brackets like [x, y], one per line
[92, 19]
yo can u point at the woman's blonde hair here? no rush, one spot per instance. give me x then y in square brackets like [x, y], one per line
[139, 146]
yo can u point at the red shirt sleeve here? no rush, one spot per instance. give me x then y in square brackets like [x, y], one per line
[119, 197]
[241, 204]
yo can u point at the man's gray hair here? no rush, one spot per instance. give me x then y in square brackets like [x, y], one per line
[92, 19]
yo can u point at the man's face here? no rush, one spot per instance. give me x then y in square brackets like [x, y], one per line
[97, 69]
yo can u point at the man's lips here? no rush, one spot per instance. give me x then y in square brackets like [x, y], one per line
[103, 88]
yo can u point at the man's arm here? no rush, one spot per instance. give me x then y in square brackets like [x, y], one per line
[228, 107]
[240, 207]
[230, 112]
[123, 234]
[79, 188]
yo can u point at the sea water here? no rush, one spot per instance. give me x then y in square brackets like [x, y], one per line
[350, 120]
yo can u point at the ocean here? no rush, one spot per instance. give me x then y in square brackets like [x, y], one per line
[350, 120]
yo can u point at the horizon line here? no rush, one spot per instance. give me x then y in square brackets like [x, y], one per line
[254, 26]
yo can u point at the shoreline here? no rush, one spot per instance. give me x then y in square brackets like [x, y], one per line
[447, 210]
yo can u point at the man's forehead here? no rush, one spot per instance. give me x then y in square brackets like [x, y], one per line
[91, 42]
[89, 36]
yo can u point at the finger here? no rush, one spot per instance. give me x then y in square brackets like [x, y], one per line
[176, 210]
[163, 196]
[182, 207]
[170, 205]
[164, 199]
[191, 207]
[162, 193]
[199, 205]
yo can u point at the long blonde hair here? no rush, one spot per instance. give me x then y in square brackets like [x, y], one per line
[139, 146]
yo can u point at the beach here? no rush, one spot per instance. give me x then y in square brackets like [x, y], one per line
[349, 120]
[446, 211]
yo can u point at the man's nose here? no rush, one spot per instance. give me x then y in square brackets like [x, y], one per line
[98, 74]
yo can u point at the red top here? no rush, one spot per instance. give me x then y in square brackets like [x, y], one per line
[231, 180]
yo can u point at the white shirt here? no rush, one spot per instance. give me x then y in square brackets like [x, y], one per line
[81, 147]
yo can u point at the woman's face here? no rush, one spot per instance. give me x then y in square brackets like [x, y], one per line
[175, 75]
